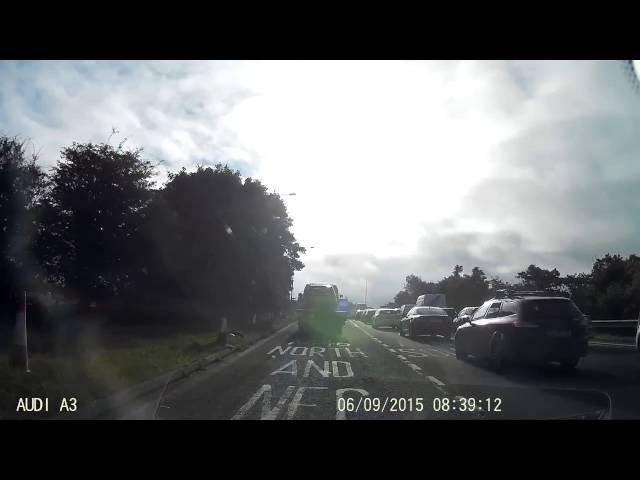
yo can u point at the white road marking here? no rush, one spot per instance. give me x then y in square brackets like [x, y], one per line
[295, 403]
[336, 371]
[342, 414]
[357, 352]
[284, 369]
[313, 351]
[438, 352]
[278, 349]
[413, 353]
[268, 413]
[324, 372]
[431, 351]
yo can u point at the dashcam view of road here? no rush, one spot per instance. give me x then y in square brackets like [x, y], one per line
[319, 240]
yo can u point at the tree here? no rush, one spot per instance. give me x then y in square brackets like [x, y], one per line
[580, 287]
[537, 278]
[237, 253]
[22, 184]
[93, 218]
[403, 298]
[616, 286]
[461, 291]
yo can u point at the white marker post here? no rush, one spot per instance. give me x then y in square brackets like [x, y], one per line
[26, 345]
[19, 355]
[223, 331]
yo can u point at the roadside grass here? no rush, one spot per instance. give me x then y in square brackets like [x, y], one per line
[89, 376]
[107, 364]
[609, 338]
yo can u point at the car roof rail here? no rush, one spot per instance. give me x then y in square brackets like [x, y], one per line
[509, 293]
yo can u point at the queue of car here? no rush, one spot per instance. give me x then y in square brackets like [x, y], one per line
[513, 327]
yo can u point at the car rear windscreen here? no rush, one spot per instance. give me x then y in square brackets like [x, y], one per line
[549, 311]
[320, 291]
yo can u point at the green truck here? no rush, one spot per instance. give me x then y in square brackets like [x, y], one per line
[322, 311]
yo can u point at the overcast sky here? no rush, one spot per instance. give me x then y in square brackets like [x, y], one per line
[398, 167]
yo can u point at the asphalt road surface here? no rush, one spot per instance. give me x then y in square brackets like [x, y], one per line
[375, 374]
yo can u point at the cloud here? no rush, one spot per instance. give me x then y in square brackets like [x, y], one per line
[560, 188]
[399, 167]
[171, 109]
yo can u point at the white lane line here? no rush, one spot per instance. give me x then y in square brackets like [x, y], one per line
[441, 352]
[415, 367]
[437, 383]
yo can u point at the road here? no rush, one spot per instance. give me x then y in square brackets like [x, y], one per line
[385, 376]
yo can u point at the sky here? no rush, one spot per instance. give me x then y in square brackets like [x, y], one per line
[399, 167]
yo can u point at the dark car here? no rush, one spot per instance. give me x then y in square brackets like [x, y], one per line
[451, 312]
[426, 321]
[463, 316]
[528, 327]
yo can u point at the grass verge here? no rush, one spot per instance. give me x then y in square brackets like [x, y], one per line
[101, 372]
[608, 338]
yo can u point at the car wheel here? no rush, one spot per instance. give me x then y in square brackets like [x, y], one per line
[446, 334]
[496, 356]
[412, 333]
[460, 353]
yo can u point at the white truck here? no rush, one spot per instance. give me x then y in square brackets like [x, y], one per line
[432, 300]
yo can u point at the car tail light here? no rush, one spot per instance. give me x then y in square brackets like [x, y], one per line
[520, 324]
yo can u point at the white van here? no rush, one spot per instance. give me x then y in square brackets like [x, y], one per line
[432, 300]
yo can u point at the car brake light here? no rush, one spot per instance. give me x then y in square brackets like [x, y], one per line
[520, 324]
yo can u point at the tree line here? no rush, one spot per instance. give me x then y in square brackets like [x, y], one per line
[611, 290]
[95, 230]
